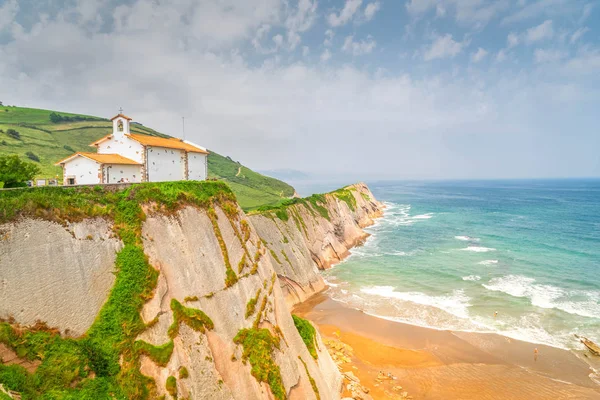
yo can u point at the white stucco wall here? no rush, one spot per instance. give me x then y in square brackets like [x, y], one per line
[197, 166]
[165, 164]
[124, 146]
[113, 173]
[85, 171]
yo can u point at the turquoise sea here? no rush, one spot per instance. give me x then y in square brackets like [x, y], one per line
[448, 255]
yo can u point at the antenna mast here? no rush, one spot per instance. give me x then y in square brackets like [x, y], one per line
[183, 127]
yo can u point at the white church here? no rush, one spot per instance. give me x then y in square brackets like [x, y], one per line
[131, 157]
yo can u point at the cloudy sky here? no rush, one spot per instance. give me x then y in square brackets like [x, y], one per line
[363, 89]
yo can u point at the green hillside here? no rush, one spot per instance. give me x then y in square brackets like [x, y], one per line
[52, 141]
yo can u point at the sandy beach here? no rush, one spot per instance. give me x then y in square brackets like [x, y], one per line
[434, 364]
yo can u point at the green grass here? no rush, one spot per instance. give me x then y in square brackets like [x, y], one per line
[347, 197]
[258, 346]
[48, 140]
[282, 209]
[251, 188]
[108, 348]
[308, 334]
[159, 354]
[171, 386]
[195, 319]
[251, 305]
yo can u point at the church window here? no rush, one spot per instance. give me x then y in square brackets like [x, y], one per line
[120, 126]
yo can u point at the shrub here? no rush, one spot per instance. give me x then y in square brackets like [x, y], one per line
[183, 373]
[307, 333]
[171, 386]
[14, 172]
[68, 148]
[13, 134]
[3, 143]
[32, 156]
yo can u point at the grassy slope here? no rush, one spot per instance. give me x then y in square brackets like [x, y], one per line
[47, 140]
[251, 188]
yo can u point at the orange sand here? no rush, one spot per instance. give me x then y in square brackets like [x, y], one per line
[432, 364]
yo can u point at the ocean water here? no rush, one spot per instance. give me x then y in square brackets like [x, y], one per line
[449, 255]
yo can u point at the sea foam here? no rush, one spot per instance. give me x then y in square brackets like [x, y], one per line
[577, 302]
[471, 278]
[488, 262]
[467, 238]
[456, 304]
[478, 249]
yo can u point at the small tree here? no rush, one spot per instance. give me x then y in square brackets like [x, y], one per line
[1, 104]
[55, 117]
[68, 148]
[15, 172]
[13, 134]
[32, 156]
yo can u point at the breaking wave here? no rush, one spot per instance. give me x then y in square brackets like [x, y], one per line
[478, 249]
[456, 304]
[578, 302]
[471, 278]
[467, 238]
[488, 262]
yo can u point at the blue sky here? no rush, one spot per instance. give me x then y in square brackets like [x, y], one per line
[338, 88]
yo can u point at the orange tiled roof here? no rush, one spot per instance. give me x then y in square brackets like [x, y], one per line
[102, 158]
[122, 116]
[101, 140]
[171, 143]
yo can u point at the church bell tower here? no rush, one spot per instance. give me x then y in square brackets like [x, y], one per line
[120, 125]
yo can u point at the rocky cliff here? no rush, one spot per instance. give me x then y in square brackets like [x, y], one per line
[306, 235]
[167, 291]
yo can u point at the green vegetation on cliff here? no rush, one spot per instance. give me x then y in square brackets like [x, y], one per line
[258, 346]
[105, 362]
[308, 334]
[52, 141]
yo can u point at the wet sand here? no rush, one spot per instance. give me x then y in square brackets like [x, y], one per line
[435, 364]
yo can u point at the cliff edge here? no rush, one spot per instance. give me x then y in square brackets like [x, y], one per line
[314, 233]
[168, 290]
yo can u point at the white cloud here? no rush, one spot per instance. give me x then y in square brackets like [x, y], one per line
[543, 31]
[578, 34]
[303, 17]
[478, 12]
[7, 14]
[358, 48]
[540, 8]
[329, 34]
[586, 63]
[293, 40]
[444, 47]
[326, 55]
[270, 115]
[501, 56]
[548, 55]
[371, 9]
[479, 55]
[512, 40]
[346, 14]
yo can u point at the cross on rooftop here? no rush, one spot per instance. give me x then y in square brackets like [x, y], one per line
[120, 110]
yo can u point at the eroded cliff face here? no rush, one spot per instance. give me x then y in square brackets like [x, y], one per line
[212, 320]
[314, 234]
[47, 269]
[185, 250]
